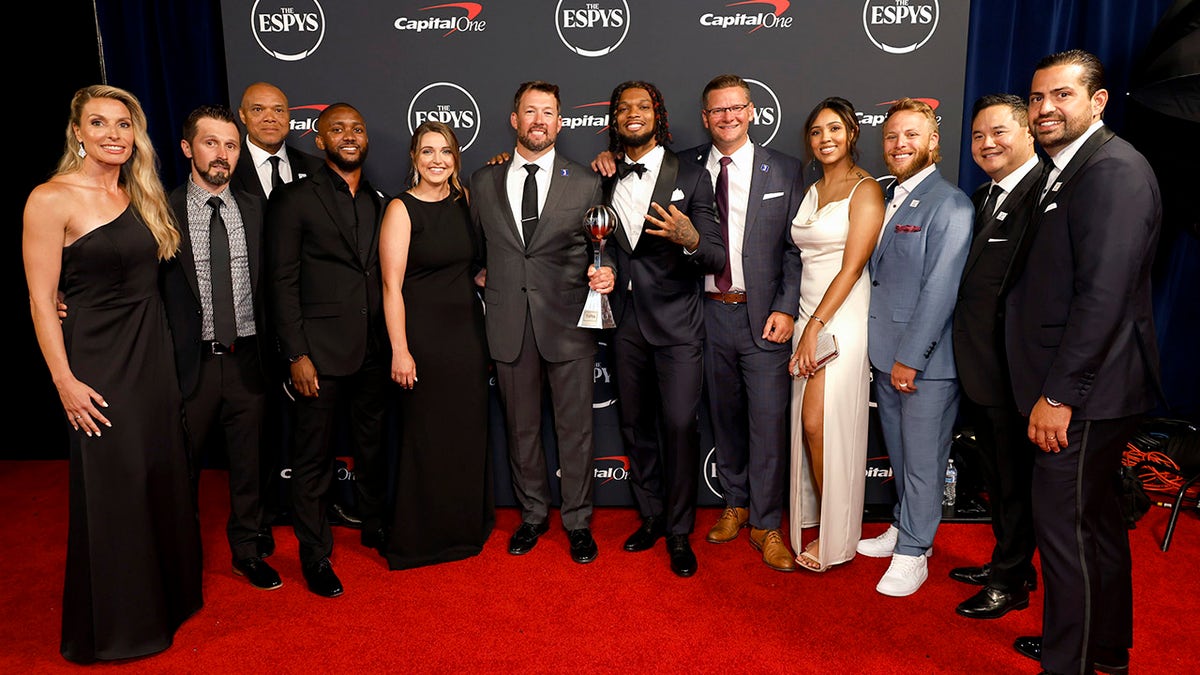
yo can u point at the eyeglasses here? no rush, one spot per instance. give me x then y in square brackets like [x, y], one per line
[734, 109]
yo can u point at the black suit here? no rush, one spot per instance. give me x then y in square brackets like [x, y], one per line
[658, 342]
[995, 259]
[227, 388]
[245, 177]
[747, 382]
[1079, 329]
[326, 302]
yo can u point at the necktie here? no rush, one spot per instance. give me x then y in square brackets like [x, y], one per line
[989, 204]
[724, 280]
[276, 179]
[224, 321]
[529, 204]
[626, 168]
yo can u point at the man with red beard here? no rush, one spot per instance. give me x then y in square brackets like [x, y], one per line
[915, 272]
[326, 302]
[215, 309]
[668, 240]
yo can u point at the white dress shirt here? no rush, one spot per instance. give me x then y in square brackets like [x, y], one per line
[514, 183]
[631, 195]
[740, 171]
[262, 164]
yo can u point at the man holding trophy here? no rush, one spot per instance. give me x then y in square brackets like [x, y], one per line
[530, 210]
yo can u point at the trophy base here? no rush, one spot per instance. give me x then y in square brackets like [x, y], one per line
[596, 312]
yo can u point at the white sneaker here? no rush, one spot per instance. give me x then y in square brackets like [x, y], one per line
[881, 546]
[884, 545]
[904, 576]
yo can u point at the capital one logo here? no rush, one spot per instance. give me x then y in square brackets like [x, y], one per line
[767, 112]
[709, 467]
[770, 16]
[456, 17]
[900, 26]
[288, 31]
[876, 119]
[448, 103]
[592, 28]
[589, 115]
[304, 118]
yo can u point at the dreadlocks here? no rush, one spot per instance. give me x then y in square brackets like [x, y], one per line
[662, 129]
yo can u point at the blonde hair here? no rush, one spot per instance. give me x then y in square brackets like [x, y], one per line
[139, 176]
[924, 109]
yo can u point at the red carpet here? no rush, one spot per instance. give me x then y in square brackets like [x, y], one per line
[542, 613]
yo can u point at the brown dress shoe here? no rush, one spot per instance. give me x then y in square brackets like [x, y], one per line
[727, 526]
[775, 553]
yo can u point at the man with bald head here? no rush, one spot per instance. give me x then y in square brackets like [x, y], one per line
[266, 159]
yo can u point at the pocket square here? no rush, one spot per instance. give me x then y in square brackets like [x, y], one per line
[677, 195]
[994, 241]
[772, 195]
[908, 228]
[1053, 205]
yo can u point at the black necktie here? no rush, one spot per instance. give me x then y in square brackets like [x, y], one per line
[529, 204]
[989, 204]
[626, 168]
[276, 179]
[224, 319]
[724, 280]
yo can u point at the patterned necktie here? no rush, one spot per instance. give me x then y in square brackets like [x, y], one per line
[724, 280]
[529, 204]
[224, 321]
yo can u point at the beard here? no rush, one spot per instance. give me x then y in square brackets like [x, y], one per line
[1071, 129]
[636, 140]
[536, 146]
[348, 164]
[217, 174]
[922, 158]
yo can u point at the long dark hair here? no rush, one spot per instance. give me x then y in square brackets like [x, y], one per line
[845, 112]
[662, 129]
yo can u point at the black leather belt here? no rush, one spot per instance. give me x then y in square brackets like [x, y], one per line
[217, 349]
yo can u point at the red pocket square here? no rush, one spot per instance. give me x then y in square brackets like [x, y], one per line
[908, 228]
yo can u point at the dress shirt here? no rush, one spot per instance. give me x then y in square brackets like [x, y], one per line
[1063, 158]
[1014, 178]
[514, 184]
[262, 164]
[199, 213]
[903, 190]
[631, 195]
[739, 172]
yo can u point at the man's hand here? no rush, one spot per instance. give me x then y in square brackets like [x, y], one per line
[674, 226]
[304, 377]
[1048, 425]
[481, 278]
[499, 159]
[601, 280]
[605, 164]
[904, 378]
[62, 307]
[779, 327]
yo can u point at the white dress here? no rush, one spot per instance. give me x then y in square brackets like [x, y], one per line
[821, 236]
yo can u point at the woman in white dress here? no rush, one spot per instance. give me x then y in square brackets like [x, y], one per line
[836, 230]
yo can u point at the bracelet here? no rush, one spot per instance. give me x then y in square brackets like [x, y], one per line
[818, 319]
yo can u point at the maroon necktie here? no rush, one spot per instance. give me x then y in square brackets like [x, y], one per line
[724, 280]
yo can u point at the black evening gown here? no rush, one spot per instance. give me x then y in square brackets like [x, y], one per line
[133, 543]
[444, 503]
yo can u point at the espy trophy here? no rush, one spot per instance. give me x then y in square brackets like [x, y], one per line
[598, 222]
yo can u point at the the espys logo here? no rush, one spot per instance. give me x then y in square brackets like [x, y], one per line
[306, 121]
[767, 112]
[592, 28]
[739, 18]
[711, 480]
[449, 103]
[616, 468]
[876, 119]
[452, 17]
[900, 26]
[604, 394]
[588, 117]
[289, 31]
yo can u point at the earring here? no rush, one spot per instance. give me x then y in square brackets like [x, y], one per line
[81, 151]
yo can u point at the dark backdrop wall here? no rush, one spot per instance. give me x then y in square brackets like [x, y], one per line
[172, 56]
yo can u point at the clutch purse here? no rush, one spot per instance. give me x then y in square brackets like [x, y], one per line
[827, 350]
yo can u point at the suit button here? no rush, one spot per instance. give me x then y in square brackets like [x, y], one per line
[527, 256]
[874, 283]
[363, 311]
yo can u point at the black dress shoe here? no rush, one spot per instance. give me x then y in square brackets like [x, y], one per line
[343, 516]
[265, 542]
[979, 576]
[526, 537]
[374, 537]
[683, 561]
[1112, 661]
[652, 530]
[992, 603]
[258, 573]
[583, 546]
[1030, 646]
[321, 579]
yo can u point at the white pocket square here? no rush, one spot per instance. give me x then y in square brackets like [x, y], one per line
[772, 195]
[1053, 205]
[676, 195]
[993, 241]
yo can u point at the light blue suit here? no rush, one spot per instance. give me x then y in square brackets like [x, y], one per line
[915, 271]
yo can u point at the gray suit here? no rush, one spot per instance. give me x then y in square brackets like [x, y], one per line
[915, 271]
[534, 295]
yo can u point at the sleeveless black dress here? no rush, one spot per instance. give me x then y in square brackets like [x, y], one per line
[444, 503]
[133, 544]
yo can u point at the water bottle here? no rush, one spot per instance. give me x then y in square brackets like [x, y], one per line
[950, 492]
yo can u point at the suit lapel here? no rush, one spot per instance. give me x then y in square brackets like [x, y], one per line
[324, 191]
[500, 184]
[187, 258]
[250, 214]
[664, 186]
[1089, 148]
[905, 209]
[758, 187]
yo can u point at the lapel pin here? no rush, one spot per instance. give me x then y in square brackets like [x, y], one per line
[764, 168]
[566, 172]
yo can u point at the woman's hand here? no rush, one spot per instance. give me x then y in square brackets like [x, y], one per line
[82, 405]
[804, 361]
[404, 369]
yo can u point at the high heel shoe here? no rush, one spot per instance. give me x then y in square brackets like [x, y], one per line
[809, 561]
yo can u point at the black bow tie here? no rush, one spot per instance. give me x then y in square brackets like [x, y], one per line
[626, 168]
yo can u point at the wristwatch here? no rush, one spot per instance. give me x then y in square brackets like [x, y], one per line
[300, 356]
[1052, 402]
